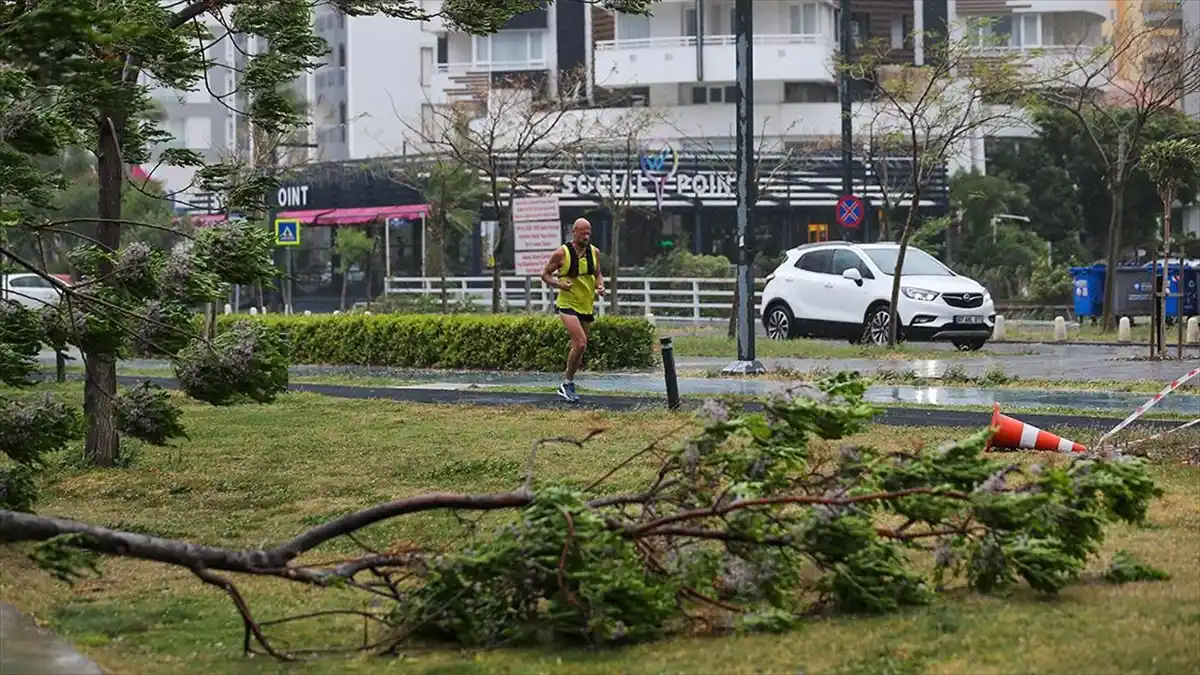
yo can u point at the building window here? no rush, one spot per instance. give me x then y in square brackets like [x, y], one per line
[633, 27]
[197, 133]
[510, 47]
[806, 92]
[691, 27]
[342, 55]
[804, 19]
[990, 31]
[710, 94]
[1028, 31]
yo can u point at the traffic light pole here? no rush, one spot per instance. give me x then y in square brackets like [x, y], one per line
[847, 115]
[743, 28]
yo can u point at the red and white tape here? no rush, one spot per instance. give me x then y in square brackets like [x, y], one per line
[1175, 384]
[1166, 433]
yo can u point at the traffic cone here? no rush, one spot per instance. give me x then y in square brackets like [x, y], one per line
[1014, 434]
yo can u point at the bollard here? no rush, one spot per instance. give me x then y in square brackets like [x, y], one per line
[1124, 330]
[668, 357]
[253, 311]
[998, 331]
[263, 310]
[337, 312]
[366, 314]
[307, 312]
[228, 308]
[653, 322]
[1060, 329]
[1193, 330]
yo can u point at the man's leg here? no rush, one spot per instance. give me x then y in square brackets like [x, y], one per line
[578, 344]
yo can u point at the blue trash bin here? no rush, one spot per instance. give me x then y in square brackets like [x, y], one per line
[1191, 290]
[1089, 290]
[1178, 275]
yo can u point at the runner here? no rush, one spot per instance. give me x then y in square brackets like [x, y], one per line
[574, 270]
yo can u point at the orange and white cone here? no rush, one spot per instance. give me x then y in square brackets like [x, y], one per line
[1017, 435]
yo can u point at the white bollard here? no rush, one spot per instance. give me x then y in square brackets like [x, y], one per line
[366, 314]
[228, 308]
[1124, 330]
[1060, 329]
[337, 312]
[1193, 330]
[264, 310]
[307, 312]
[651, 319]
[253, 311]
[998, 332]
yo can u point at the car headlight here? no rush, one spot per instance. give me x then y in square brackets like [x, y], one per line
[919, 294]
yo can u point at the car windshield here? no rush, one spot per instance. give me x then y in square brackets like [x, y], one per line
[916, 262]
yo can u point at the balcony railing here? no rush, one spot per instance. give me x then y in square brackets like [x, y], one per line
[492, 66]
[713, 41]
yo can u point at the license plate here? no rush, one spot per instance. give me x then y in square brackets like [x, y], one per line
[975, 319]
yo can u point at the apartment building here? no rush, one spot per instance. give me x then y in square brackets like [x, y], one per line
[208, 119]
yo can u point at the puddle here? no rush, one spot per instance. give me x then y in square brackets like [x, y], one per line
[948, 396]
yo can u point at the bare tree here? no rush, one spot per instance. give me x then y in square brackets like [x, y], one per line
[620, 141]
[508, 131]
[926, 115]
[1115, 93]
[774, 156]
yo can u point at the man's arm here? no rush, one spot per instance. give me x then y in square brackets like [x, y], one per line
[552, 267]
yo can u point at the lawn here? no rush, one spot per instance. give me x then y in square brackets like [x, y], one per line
[256, 475]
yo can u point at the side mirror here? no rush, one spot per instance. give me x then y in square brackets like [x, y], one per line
[853, 275]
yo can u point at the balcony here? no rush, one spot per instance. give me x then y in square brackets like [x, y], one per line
[673, 60]
[1095, 8]
[457, 81]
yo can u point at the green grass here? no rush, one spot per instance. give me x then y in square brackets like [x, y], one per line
[254, 475]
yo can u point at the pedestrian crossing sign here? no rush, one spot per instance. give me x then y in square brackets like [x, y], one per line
[287, 232]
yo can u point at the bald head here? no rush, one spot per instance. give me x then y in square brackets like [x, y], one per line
[581, 232]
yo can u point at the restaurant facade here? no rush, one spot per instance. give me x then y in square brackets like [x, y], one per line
[688, 200]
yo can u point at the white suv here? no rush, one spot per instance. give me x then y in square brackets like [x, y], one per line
[838, 289]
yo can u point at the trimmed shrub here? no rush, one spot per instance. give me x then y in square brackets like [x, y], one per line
[490, 342]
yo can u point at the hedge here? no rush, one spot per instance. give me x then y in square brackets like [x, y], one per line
[469, 342]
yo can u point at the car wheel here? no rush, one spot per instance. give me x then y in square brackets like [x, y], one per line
[780, 323]
[877, 326]
[972, 345]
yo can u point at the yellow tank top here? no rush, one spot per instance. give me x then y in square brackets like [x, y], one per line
[581, 270]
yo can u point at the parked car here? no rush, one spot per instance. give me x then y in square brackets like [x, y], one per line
[31, 290]
[842, 290]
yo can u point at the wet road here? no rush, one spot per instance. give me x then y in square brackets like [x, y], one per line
[26, 649]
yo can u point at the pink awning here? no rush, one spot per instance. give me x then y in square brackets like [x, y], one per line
[354, 216]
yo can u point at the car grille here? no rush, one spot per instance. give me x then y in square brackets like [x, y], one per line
[963, 300]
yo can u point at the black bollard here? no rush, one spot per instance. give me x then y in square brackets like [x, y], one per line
[668, 357]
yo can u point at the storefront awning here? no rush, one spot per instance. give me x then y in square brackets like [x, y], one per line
[354, 216]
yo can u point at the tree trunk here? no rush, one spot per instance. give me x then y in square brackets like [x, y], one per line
[1166, 283]
[733, 314]
[345, 287]
[103, 444]
[1114, 250]
[440, 243]
[497, 254]
[894, 323]
[614, 306]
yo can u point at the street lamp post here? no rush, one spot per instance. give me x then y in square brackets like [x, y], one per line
[744, 301]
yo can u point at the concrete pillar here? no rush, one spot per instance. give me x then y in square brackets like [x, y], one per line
[1060, 329]
[1124, 330]
[1193, 331]
[999, 333]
